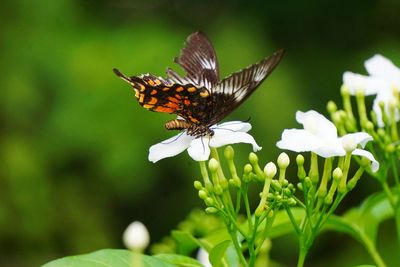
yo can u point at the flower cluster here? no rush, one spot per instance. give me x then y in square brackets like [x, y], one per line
[383, 81]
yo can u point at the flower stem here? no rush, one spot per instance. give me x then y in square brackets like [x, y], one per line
[369, 245]
[302, 255]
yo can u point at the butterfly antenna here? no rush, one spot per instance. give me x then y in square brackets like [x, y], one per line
[122, 76]
[173, 140]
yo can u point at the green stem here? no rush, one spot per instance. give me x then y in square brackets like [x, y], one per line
[247, 206]
[237, 246]
[293, 221]
[302, 255]
[369, 245]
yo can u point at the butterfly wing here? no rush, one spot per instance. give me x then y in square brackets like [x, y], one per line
[160, 95]
[199, 61]
[233, 90]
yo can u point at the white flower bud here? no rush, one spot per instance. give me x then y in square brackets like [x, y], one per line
[283, 160]
[270, 169]
[136, 237]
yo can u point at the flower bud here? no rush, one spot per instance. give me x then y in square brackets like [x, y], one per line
[209, 201]
[337, 174]
[344, 90]
[283, 160]
[248, 168]
[253, 158]
[369, 126]
[213, 165]
[390, 148]
[218, 189]
[203, 194]
[291, 202]
[136, 237]
[331, 107]
[211, 210]
[270, 170]
[301, 172]
[229, 152]
[197, 185]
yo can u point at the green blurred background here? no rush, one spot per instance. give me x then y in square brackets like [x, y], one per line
[74, 141]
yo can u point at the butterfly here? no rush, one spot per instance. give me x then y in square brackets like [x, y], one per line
[200, 99]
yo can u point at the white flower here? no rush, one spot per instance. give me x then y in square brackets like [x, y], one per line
[136, 237]
[199, 148]
[202, 257]
[320, 136]
[384, 77]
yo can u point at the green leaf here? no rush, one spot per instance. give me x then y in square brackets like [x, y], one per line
[282, 224]
[217, 253]
[178, 260]
[123, 258]
[214, 238]
[363, 221]
[186, 243]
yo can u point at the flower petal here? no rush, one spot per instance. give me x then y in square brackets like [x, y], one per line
[199, 149]
[236, 126]
[222, 138]
[330, 148]
[317, 124]
[385, 96]
[381, 67]
[298, 140]
[369, 85]
[361, 138]
[170, 147]
[368, 155]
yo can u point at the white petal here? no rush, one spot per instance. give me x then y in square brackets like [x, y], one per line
[330, 148]
[222, 137]
[317, 124]
[298, 140]
[368, 155]
[385, 96]
[369, 85]
[237, 126]
[381, 67]
[202, 257]
[170, 147]
[359, 138]
[199, 149]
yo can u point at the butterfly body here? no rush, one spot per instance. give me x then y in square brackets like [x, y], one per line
[200, 99]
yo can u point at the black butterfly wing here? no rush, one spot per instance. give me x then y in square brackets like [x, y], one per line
[233, 90]
[199, 61]
[160, 95]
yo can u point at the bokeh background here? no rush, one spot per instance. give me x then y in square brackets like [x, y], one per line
[74, 141]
